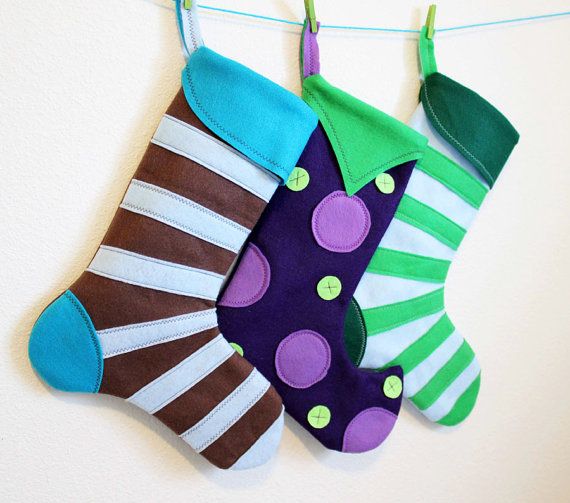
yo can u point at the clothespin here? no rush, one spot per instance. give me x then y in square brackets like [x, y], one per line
[187, 4]
[310, 13]
[430, 21]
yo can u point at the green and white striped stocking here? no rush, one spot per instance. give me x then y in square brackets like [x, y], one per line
[398, 315]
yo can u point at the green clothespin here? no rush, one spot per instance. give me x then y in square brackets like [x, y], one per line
[430, 21]
[187, 4]
[310, 13]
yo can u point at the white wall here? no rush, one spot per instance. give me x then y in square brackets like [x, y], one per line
[82, 86]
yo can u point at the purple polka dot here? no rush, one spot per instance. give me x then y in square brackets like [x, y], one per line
[250, 281]
[341, 223]
[303, 359]
[368, 430]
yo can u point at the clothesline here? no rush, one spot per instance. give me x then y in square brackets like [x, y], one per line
[385, 29]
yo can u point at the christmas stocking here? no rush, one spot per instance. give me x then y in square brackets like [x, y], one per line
[397, 316]
[141, 323]
[286, 303]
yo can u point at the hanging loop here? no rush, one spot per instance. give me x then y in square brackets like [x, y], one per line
[311, 16]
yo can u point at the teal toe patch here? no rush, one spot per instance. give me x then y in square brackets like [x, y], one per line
[64, 348]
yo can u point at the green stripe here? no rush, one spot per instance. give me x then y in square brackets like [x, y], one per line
[444, 377]
[354, 333]
[421, 349]
[408, 265]
[382, 318]
[453, 176]
[427, 219]
[464, 405]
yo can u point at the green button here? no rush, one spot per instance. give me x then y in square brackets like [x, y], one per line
[385, 183]
[237, 347]
[329, 288]
[393, 387]
[319, 416]
[299, 179]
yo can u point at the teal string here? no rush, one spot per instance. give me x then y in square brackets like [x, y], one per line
[382, 29]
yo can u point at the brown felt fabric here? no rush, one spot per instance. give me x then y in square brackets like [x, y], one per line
[165, 243]
[125, 374]
[114, 304]
[192, 181]
[189, 408]
[225, 451]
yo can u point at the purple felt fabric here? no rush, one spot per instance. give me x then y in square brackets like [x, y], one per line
[291, 303]
[311, 55]
[251, 280]
[341, 223]
[368, 430]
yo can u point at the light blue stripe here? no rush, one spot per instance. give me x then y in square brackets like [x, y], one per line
[169, 386]
[183, 214]
[119, 340]
[227, 412]
[188, 141]
[135, 269]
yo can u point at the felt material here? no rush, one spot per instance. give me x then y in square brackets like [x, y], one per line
[401, 297]
[149, 295]
[248, 111]
[64, 348]
[355, 333]
[310, 54]
[367, 430]
[471, 125]
[292, 304]
[356, 130]
[340, 223]
[251, 281]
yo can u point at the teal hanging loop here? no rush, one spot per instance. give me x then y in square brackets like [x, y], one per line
[311, 16]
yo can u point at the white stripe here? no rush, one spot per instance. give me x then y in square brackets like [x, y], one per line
[169, 386]
[263, 448]
[119, 340]
[384, 347]
[189, 28]
[227, 412]
[434, 194]
[404, 237]
[422, 124]
[188, 141]
[135, 269]
[443, 405]
[376, 290]
[424, 372]
[183, 214]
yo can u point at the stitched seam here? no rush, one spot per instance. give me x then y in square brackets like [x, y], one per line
[191, 27]
[162, 263]
[157, 323]
[404, 320]
[156, 342]
[463, 194]
[281, 169]
[263, 287]
[190, 203]
[149, 285]
[322, 373]
[94, 339]
[334, 132]
[449, 381]
[450, 136]
[184, 389]
[360, 319]
[180, 225]
[349, 428]
[235, 418]
[426, 228]
[361, 238]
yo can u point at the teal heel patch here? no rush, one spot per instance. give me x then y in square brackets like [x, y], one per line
[64, 348]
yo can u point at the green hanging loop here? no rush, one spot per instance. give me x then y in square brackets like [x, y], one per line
[310, 14]
[187, 4]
